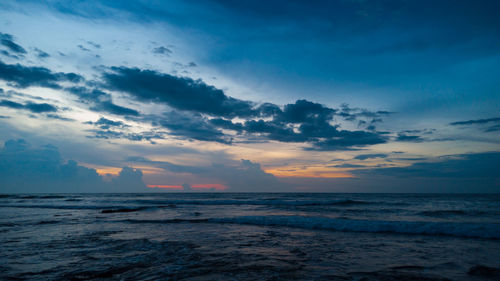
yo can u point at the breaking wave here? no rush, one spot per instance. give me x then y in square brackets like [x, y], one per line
[470, 230]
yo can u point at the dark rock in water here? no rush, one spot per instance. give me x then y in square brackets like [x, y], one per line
[109, 211]
[485, 271]
[197, 214]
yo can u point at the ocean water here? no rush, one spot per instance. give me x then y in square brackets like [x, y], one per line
[255, 236]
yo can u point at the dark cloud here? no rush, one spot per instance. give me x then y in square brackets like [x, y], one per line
[462, 173]
[245, 176]
[105, 124]
[110, 107]
[7, 40]
[302, 121]
[480, 122]
[111, 129]
[248, 176]
[11, 104]
[128, 180]
[93, 44]
[25, 76]
[33, 107]
[150, 136]
[88, 95]
[274, 131]
[167, 165]
[27, 169]
[40, 107]
[477, 121]
[178, 92]
[370, 156]
[192, 126]
[346, 140]
[347, 165]
[409, 138]
[81, 47]
[494, 128]
[9, 55]
[162, 50]
[41, 54]
[474, 165]
[303, 111]
[100, 101]
[58, 117]
[351, 114]
[226, 124]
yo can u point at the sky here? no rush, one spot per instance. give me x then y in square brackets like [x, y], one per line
[247, 96]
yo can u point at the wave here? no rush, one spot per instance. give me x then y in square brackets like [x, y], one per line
[17, 196]
[469, 230]
[347, 202]
[445, 213]
[104, 209]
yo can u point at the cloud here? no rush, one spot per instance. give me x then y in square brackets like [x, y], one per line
[93, 44]
[104, 123]
[192, 126]
[100, 101]
[247, 177]
[370, 156]
[477, 121]
[166, 165]
[348, 139]
[58, 117]
[187, 187]
[474, 165]
[461, 173]
[110, 107]
[303, 121]
[303, 111]
[9, 55]
[7, 40]
[347, 165]
[87, 95]
[129, 180]
[27, 169]
[493, 128]
[150, 136]
[162, 50]
[351, 114]
[181, 93]
[408, 138]
[25, 76]
[480, 122]
[81, 47]
[41, 54]
[33, 107]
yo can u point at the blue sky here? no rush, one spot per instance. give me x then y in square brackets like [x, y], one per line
[361, 96]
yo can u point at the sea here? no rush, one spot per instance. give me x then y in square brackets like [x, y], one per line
[249, 236]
